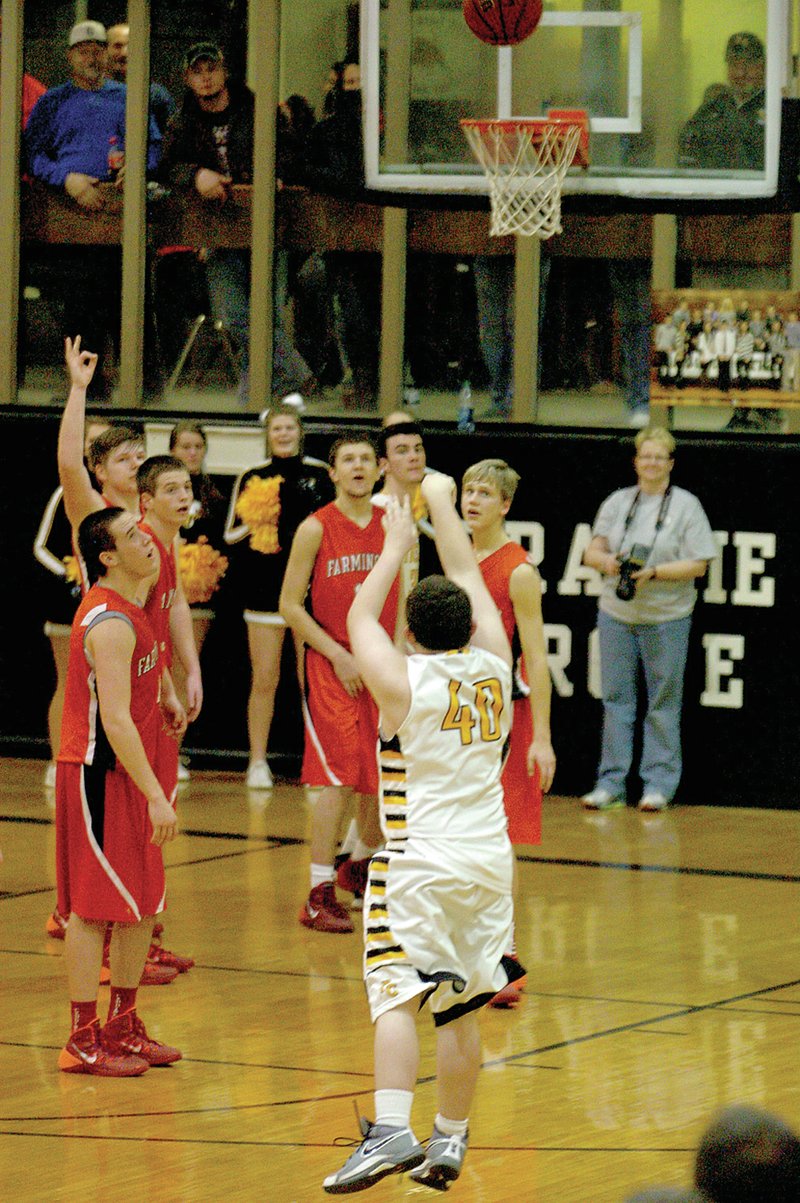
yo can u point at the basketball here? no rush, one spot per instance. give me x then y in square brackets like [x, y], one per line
[502, 22]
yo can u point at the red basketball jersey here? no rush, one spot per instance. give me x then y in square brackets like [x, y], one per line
[522, 793]
[346, 555]
[496, 571]
[162, 595]
[83, 740]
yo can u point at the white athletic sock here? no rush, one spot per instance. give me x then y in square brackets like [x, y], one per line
[320, 874]
[361, 850]
[393, 1107]
[451, 1127]
[350, 838]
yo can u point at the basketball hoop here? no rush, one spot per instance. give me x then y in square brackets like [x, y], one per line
[526, 160]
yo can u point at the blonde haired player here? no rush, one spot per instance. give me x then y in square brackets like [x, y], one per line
[487, 491]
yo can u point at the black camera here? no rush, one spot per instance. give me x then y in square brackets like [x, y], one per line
[636, 558]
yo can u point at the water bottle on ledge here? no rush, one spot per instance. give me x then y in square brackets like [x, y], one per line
[465, 418]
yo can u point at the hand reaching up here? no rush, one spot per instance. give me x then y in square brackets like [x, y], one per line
[80, 364]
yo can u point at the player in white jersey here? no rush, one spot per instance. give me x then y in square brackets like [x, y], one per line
[438, 909]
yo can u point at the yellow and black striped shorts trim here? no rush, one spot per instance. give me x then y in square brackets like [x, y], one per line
[381, 948]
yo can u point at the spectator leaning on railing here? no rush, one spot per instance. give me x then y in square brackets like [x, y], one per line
[208, 149]
[75, 142]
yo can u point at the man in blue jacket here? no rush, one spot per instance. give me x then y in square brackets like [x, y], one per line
[75, 142]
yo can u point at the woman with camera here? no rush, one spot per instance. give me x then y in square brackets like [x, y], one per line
[650, 541]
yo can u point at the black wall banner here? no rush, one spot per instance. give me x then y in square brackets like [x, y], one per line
[741, 713]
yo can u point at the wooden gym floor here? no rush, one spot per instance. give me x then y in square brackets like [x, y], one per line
[664, 982]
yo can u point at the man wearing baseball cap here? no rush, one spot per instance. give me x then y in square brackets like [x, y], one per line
[727, 131]
[75, 142]
[208, 149]
[74, 125]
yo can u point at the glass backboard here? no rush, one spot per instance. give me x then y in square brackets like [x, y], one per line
[684, 99]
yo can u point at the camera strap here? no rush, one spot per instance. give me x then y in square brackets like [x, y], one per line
[660, 517]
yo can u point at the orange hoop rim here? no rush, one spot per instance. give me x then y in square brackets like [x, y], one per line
[560, 121]
[509, 124]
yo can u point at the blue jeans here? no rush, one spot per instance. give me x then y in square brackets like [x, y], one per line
[661, 650]
[494, 291]
[630, 284]
[228, 275]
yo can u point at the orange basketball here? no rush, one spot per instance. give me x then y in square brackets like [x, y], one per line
[502, 22]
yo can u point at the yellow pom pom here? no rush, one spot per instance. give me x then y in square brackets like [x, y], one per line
[259, 505]
[73, 572]
[201, 568]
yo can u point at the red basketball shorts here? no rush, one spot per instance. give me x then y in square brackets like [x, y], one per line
[166, 764]
[341, 732]
[522, 794]
[106, 867]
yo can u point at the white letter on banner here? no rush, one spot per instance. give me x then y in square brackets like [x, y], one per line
[714, 593]
[749, 565]
[560, 638]
[721, 651]
[576, 574]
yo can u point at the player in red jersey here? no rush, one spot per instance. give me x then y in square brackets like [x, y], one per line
[112, 815]
[401, 460]
[115, 458]
[165, 492]
[333, 552]
[487, 491]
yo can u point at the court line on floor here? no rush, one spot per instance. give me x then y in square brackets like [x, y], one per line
[681, 870]
[356, 979]
[195, 832]
[428, 1080]
[696, 1009]
[563, 861]
[311, 1144]
[8, 895]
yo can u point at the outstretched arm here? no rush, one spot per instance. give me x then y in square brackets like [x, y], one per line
[381, 664]
[80, 498]
[459, 563]
[235, 529]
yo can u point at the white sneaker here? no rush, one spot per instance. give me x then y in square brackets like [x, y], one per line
[50, 776]
[259, 776]
[602, 799]
[653, 800]
[183, 773]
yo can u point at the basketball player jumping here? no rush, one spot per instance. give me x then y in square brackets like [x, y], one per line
[438, 910]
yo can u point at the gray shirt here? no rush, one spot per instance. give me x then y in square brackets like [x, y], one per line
[685, 534]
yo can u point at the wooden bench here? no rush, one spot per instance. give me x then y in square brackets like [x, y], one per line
[662, 397]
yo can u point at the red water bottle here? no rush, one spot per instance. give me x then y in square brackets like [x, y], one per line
[116, 157]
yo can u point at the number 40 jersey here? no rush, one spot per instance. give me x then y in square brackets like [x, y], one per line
[440, 775]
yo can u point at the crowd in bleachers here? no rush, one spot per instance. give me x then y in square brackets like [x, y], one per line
[723, 344]
[74, 143]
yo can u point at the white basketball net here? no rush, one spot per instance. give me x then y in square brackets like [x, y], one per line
[525, 165]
